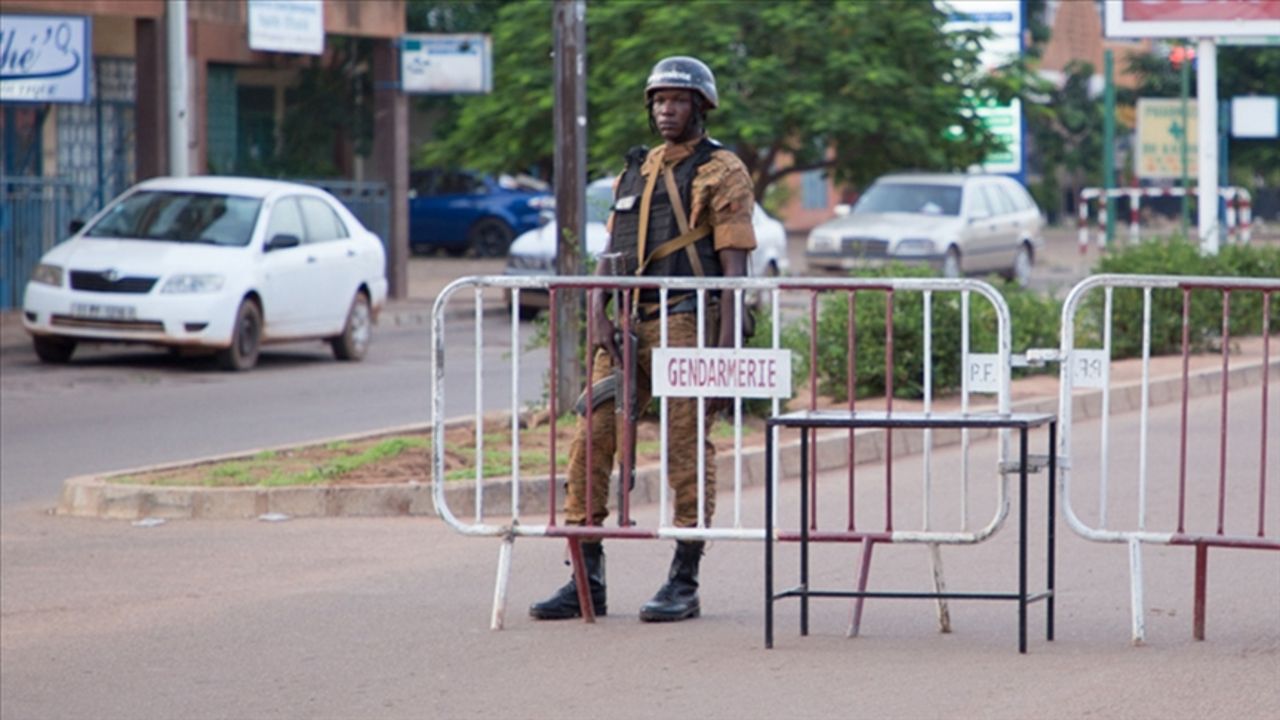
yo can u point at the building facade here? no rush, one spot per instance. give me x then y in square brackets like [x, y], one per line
[86, 152]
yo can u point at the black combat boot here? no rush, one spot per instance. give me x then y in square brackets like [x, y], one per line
[564, 603]
[678, 599]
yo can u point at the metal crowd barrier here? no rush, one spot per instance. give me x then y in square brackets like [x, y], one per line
[529, 507]
[1162, 514]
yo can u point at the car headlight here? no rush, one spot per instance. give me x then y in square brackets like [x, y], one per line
[47, 274]
[192, 283]
[914, 246]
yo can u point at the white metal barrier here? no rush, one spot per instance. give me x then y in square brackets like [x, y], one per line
[1160, 513]
[1238, 221]
[529, 505]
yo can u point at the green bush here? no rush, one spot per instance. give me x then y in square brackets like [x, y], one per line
[1175, 256]
[1033, 318]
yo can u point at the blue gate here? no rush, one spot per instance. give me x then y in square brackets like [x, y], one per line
[34, 215]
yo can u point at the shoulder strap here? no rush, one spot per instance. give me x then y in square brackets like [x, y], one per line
[687, 238]
[683, 241]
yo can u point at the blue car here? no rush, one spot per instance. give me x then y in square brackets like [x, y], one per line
[462, 212]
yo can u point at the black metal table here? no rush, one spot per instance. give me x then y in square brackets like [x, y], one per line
[809, 421]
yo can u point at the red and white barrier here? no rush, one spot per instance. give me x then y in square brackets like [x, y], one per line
[1238, 223]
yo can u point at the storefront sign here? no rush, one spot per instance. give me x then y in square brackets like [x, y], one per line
[44, 58]
[289, 26]
[446, 64]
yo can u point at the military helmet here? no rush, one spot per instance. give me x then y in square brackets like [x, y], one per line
[687, 73]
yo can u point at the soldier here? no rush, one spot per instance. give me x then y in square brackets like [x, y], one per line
[699, 201]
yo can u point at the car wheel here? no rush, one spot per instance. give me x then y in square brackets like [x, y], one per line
[489, 238]
[55, 351]
[1020, 273]
[246, 339]
[951, 264]
[353, 343]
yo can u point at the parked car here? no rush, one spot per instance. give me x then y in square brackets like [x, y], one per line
[958, 224]
[534, 253]
[222, 263]
[463, 212]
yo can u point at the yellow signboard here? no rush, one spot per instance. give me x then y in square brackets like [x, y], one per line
[1161, 132]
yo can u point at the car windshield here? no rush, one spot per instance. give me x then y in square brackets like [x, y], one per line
[910, 198]
[185, 217]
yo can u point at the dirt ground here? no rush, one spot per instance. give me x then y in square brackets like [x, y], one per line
[407, 457]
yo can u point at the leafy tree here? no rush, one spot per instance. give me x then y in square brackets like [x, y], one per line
[853, 89]
[1066, 129]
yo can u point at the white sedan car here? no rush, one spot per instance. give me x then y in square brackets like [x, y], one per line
[221, 263]
[534, 252]
[958, 224]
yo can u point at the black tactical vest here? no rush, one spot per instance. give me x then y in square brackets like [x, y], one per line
[662, 220]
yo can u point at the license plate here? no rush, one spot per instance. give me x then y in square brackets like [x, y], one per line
[103, 312]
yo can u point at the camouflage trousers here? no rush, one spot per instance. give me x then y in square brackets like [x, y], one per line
[606, 430]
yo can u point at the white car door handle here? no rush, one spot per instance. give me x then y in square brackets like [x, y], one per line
[311, 258]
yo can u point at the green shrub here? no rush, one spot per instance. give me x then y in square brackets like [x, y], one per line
[1034, 324]
[1174, 256]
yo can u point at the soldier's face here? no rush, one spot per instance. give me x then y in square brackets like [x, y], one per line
[672, 111]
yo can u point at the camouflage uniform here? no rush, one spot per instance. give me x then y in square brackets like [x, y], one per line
[722, 197]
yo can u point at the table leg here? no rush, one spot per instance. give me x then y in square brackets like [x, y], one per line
[1022, 540]
[804, 530]
[1053, 521]
[768, 537]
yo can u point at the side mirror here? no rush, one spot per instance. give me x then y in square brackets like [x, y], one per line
[978, 216]
[843, 209]
[76, 226]
[282, 241]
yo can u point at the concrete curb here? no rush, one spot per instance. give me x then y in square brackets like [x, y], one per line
[97, 496]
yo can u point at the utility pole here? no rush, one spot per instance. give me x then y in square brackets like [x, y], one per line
[179, 89]
[1109, 144]
[1207, 110]
[569, 25]
[1186, 140]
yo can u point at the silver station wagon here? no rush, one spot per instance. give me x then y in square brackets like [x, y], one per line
[958, 224]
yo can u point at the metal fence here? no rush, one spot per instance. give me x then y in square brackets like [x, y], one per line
[518, 506]
[1229, 496]
[35, 213]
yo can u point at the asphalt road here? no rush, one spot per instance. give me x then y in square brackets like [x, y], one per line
[118, 407]
[388, 618]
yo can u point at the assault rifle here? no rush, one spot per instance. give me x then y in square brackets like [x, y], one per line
[620, 386]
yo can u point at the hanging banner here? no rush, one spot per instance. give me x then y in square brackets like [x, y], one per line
[44, 58]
